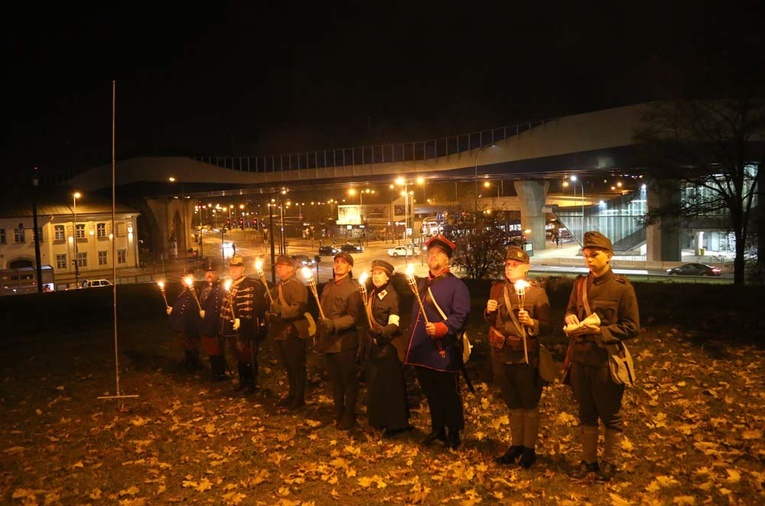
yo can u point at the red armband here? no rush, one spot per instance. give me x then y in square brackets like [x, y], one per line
[441, 330]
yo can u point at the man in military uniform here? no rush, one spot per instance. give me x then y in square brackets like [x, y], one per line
[184, 321]
[514, 339]
[242, 317]
[432, 346]
[289, 328]
[209, 326]
[612, 298]
[339, 338]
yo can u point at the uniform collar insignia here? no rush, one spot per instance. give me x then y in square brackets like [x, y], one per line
[381, 295]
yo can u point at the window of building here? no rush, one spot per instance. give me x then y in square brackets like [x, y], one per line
[80, 231]
[61, 261]
[59, 232]
[121, 256]
[82, 259]
[101, 230]
[2, 236]
[19, 235]
[102, 258]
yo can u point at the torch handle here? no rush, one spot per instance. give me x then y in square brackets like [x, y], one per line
[194, 293]
[268, 292]
[164, 297]
[318, 302]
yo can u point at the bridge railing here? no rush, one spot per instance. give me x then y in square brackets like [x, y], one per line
[367, 155]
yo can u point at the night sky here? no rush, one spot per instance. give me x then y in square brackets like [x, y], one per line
[275, 77]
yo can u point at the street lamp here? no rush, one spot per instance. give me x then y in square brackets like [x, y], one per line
[403, 182]
[76, 260]
[475, 169]
[574, 179]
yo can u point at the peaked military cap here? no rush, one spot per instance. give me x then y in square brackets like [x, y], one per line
[442, 243]
[517, 254]
[345, 256]
[382, 264]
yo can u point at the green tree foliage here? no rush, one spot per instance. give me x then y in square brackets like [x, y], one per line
[482, 243]
[713, 148]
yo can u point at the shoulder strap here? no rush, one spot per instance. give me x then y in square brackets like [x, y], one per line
[281, 295]
[583, 292]
[368, 307]
[509, 306]
[436, 304]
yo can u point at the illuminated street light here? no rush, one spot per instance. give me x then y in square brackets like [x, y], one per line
[76, 260]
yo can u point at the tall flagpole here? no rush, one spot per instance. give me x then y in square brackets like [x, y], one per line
[114, 256]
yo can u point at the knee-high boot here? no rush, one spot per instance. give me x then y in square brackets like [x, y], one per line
[217, 367]
[612, 449]
[590, 444]
[530, 431]
[516, 435]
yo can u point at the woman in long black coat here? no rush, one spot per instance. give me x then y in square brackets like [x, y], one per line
[387, 406]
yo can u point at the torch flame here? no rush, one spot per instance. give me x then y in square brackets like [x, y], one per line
[410, 271]
[520, 286]
[227, 285]
[161, 285]
[363, 278]
[306, 272]
[258, 264]
[189, 281]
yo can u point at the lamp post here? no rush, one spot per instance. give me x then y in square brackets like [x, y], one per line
[76, 260]
[475, 169]
[574, 179]
[405, 183]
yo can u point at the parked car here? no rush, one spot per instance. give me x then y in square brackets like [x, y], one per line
[90, 283]
[328, 251]
[695, 270]
[399, 251]
[351, 248]
[302, 259]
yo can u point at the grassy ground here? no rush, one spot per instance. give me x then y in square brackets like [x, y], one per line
[694, 421]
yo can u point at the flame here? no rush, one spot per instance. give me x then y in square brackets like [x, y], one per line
[189, 281]
[227, 285]
[161, 285]
[306, 273]
[258, 264]
[363, 278]
[410, 271]
[520, 286]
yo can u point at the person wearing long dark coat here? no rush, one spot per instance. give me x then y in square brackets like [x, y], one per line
[387, 406]
[184, 322]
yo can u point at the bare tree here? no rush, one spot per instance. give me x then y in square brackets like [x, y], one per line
[481, 246]
[713, 148]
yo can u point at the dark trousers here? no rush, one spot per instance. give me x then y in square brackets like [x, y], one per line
[293, 354]
[442, 390]
[597, 395]
[341, 369]
[519, 383]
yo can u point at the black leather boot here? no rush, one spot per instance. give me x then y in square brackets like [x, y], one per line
[436, 435]
[510, 456]
[528, 458]
[453, 439]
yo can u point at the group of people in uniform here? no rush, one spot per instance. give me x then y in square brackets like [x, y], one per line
[358, 325]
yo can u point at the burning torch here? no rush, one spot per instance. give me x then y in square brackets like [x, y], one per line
[364, 296]
[161, 285]
[308, 275]
[520, 291]
[262, 275]
[190, 284]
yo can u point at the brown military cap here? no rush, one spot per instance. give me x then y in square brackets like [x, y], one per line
[382, 264]
[593, 239]
[517, 254]
[236, 261]
[442, 243]
[286, 260]
[345, 256]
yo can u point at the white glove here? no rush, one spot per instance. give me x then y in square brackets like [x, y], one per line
[491, 305]
[237, 324]
[202, 313]
[169, 310]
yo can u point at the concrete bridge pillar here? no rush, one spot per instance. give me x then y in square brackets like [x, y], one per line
[663, 238]
[171, 238]
[532, 196]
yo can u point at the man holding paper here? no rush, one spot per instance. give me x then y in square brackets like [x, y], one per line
[602, 311]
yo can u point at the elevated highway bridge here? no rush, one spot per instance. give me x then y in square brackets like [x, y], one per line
[530, 155]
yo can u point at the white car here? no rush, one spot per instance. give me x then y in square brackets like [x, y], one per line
[399, 251]
[90, 283]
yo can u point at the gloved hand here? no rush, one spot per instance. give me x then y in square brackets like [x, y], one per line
[202, 313]
[491, 305]
[237, 324]
[389, 330]
[327, 324]
[169, 310]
